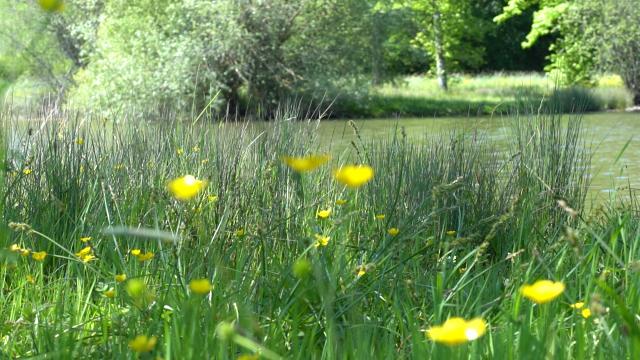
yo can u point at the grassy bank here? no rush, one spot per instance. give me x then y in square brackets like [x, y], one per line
[483, 95]
[473, 225]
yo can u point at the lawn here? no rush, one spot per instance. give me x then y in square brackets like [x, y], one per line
[258, 255]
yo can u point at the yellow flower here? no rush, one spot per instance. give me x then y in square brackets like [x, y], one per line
[186, 187]
[135, 252]
[457, 330]
[354, 175]
[380, 217]
[393, 231]
[361, 270]
[119, 166]
[451, 233]
[200, 286]
[307, 163]
[577, 306]
[341, 202]
[143, 343]
[85, 239]
[586, 313]
[542, 291]
[25, 252]
[87, 258]
[80, 141]
[39, 256]
[195, 149]
[144, 257]
[31, 279]
[26, 171]
[121, 277]
[51, 5]
[179, 151]
[110, 293]
[240, 232]
[323, 214]
[85, 251]
[248, 357]
[212, 198]
[15, 248]
[204, 161]
[321, 240]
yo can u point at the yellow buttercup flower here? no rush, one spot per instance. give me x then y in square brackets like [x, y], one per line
[306, 163]
[80, 141]
[321, 240]
[200, 286]
[179, 151]
[144, 257]
[110, 293]
[51, 5]
[143, 343]
[457, 330]
[341, 202]
[361, 270]
[212, 198]
[451, 233]
[26, 171]
[135, 252]
[31, 279]
[380, 217]
[15, 248]
[121, 278]
[354, 175]
[186, 187]
[542, 291]
[85, 239]
[586, 313]
[323, 214]
[240, 232]
[578, 305]
[393, 231]
[87, 258]
[25, 252]
[84, 251]
[39, 256]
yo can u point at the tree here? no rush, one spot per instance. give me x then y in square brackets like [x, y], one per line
[449, 31]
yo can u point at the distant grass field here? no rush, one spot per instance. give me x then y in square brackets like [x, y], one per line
[263, 262]
[483, 95]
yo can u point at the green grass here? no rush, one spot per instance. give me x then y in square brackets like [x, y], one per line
[483, 95]
[509, 231]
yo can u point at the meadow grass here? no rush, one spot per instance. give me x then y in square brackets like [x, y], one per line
[483, 94]
[474, 225]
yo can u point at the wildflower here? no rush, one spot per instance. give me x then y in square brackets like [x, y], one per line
[393, 231]
[119, 166]
[212, 198]
[195, 149]
[301, 268]
[135, 252]
[248, 357]
[179, 151]
[586, 313]
[86, 258]
[85, 251]
[204, 161]
[307, 163]
[26, 171]
[323, 214]
[110, 293]
[30, 279]
[25, 252]
[121, 277]
[457, 330]
[321, 240]
[361, 270]
[80, 141]
[143, 343]
[145, 256]
[451, 233]
[380, 217]
[542, 291]
[240, 232]
[51, 5]
[186, 187]
[578, 305]
[39, 256]
[200, 286]
[15, 248]
[341, 202]
[354, 175]
[85, 239]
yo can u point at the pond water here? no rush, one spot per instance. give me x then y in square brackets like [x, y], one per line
[606, 133]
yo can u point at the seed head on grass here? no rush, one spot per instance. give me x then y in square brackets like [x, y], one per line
[542, 291]
[306, 163]
[354, 176]
[186, 187]
[457, 331]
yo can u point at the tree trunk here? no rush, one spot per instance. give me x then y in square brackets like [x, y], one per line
[441, 70]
